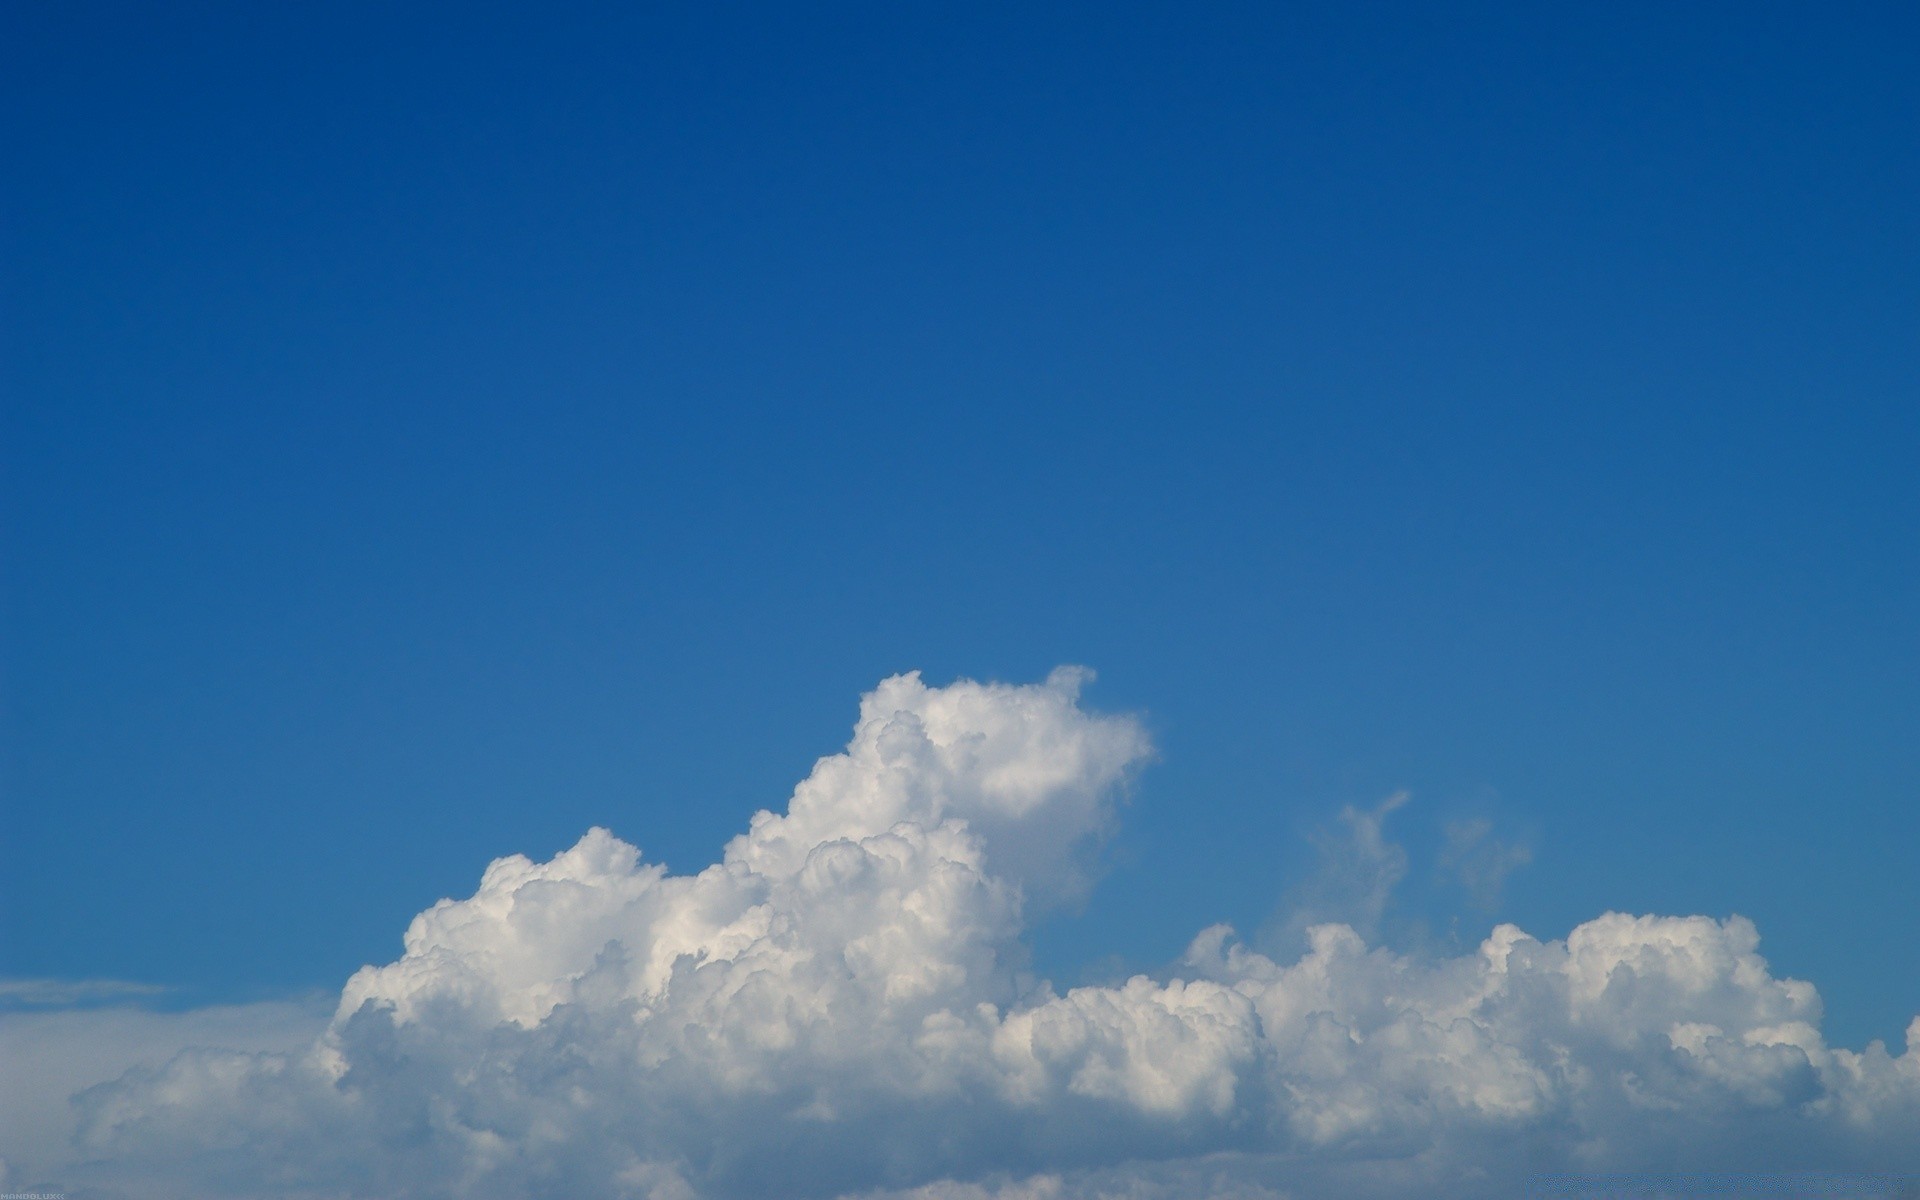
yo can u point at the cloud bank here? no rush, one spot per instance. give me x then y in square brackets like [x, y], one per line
[842, 1006]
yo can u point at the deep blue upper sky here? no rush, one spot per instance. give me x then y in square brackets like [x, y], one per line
[430, 434]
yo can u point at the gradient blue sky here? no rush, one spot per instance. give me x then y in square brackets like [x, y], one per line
[429, 435]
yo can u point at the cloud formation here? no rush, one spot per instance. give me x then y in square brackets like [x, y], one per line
[1480, 862]
[842, 1006]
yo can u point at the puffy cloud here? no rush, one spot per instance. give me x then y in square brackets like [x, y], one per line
[841, 1006]
[46, 1057]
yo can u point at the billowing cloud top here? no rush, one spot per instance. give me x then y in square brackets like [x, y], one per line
[839, 1006]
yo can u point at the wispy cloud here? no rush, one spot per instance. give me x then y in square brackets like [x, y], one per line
[1353, 882]
[68, 993]
[1479, 861]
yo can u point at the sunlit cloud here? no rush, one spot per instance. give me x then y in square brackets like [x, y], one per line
[842, 1005]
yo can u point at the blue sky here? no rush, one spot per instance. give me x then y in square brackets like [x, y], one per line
[431, 435]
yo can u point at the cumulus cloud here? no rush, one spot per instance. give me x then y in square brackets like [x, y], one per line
[47, 1056]
[841, 1006]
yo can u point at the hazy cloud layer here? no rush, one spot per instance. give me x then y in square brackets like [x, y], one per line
[841, 1006]
[45, 1057]
[71, 993]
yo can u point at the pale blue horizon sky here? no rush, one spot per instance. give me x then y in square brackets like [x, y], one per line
[426, 440]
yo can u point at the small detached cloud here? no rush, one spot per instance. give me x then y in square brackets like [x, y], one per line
[1480, 862]
[1359, 869]
[842, 1006]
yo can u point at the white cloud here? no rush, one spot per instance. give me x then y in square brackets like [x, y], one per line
[45, 1057]
[841, 1006]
